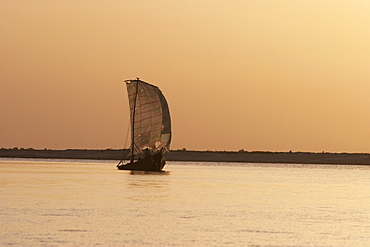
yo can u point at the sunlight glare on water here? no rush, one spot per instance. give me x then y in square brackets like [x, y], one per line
[84, 203]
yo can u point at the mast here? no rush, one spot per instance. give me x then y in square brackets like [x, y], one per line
[133, 123]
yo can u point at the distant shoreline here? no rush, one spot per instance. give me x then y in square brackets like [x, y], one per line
[201, 156]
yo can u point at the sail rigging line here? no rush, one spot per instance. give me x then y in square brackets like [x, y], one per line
[140, 152]
[127, 133]
[126, 146]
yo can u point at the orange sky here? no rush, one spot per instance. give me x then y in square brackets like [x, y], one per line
[254, 75]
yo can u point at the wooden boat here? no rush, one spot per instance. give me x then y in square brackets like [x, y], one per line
[150, 127]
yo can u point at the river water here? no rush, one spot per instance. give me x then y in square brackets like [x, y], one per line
[90, 203]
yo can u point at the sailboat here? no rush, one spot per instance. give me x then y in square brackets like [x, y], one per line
[150, 127]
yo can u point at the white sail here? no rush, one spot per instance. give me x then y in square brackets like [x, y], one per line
[150, 116]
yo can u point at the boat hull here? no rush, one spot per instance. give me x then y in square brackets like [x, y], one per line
[154, 162]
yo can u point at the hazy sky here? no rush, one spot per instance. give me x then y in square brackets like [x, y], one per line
[273, 75]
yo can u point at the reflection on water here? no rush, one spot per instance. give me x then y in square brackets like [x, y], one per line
[149, 173]
[87, 203]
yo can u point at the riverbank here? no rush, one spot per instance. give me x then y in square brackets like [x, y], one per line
[204, 156]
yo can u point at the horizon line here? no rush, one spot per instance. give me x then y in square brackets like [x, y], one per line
[181, 150]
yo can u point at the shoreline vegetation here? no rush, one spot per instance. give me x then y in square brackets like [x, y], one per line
[200, 156]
